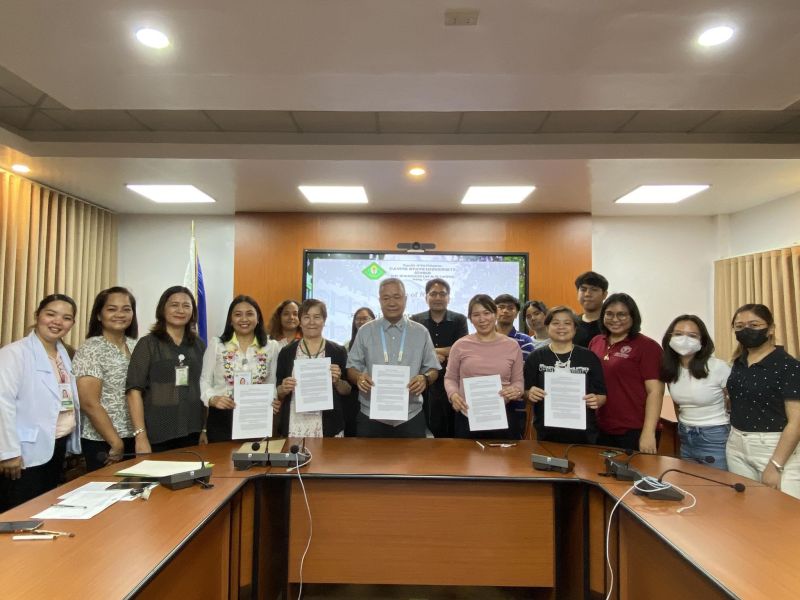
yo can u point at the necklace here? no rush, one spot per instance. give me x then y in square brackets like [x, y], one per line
[559, 363]
[307, 352]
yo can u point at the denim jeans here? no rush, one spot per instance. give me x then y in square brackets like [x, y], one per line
[698, 443]
[750, 452]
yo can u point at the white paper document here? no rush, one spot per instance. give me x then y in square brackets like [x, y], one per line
[252, 417]
[487, 409]
[314, 390]
[564, 405]
[96, 486]
[389, 396]
[82, 505]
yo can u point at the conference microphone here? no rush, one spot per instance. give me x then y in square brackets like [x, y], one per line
[542, 462]
[739, 487]
[176, 481]
[257, 454]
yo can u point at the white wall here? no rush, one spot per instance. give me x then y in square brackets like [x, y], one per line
[154, 252]
[665, 263]
[772, 225]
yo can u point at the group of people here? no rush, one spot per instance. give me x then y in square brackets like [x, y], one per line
[120, 395]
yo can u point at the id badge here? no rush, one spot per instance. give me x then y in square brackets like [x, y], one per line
[65, 393]
[182, 375]
[243, 377]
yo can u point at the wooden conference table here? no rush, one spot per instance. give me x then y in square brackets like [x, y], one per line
[424, 512]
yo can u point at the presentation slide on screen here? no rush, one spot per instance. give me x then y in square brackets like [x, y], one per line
[348, 281]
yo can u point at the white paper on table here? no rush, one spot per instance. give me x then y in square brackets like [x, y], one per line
[252, 417]
[389, 396]
[96, 486]
[155, 469]
[82, 505]
[564, 405]
[314, 390]
[487, 409]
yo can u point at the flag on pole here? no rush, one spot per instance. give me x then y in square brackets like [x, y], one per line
[193, 279]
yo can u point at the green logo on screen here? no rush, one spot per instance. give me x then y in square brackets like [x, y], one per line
[374, 271]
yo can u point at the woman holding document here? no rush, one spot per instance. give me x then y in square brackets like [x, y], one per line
[562, 357]
[480, 354]
[242, 354]
[304, 421]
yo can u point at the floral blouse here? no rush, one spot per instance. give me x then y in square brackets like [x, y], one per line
[223, 359]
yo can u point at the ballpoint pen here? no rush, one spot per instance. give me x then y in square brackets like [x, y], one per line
[481, 445]
[55, 533]
[68, 506]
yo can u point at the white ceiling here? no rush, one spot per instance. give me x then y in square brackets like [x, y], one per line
[396, 55]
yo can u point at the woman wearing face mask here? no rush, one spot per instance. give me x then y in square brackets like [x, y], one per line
[242, 353]
[696, 382]
[39, 416]
[764, 388]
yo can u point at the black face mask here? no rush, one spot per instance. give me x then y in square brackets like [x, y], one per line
[752, 338]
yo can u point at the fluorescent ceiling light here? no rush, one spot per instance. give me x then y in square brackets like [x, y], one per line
[497, 194]
[152, 38]
[660, 194]
[417, 171]
[715, 36]
[172, 194]
[334, 194]
[18, 168]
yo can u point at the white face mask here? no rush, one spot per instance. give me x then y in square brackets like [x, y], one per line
[683, 344]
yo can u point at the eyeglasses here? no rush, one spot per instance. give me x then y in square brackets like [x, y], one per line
[438, 294]
[750, 324]
[620, 316]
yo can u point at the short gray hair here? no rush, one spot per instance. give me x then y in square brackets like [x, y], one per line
[389, 281]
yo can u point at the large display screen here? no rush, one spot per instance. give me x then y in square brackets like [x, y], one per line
[348, 280]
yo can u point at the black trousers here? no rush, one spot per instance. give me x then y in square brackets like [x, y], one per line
[35, 481]
[95, 452]
[628, 440]
[352, 406]
[439, 413]
[219, 425]
[413, 428]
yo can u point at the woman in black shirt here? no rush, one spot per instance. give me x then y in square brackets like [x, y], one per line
[561, 354]
[764, 389]
[163, 385]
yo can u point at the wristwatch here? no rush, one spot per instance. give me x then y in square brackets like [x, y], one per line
[427, 381]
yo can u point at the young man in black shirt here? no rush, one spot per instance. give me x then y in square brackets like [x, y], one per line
[445, 327]
[592, 290]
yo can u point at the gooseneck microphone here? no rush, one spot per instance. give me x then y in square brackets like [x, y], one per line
[542, 462]
[739, 487]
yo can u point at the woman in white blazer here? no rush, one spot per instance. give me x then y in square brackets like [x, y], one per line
[39, 410]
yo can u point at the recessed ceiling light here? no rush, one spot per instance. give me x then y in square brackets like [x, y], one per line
[715, 36]
[172, 194]
[152, 38]
[660, 194]
[417, 171]
[19, 168]
[334, 194]
[497, 194]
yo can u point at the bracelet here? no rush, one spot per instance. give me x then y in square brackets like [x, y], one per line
[776, 465]
[138, 431]
[203, 431]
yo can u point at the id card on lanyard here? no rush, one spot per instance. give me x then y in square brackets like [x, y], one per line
[65, 393]
[181, 372]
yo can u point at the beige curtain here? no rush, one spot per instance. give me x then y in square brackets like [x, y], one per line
[50, 242]
[771, 278]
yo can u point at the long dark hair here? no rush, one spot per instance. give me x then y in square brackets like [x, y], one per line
[761, 311]
[159, 328]
[630, 304]
[57, 298]
[259, 331]
[275, 329]
[353, 328]
[671, 360]
[95, 328]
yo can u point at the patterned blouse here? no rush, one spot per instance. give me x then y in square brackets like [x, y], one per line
[100, 358]
[222, 360]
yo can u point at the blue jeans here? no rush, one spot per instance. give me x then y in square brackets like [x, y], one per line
[697, 443]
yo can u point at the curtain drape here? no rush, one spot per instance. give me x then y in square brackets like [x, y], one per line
[50, 242]
[771, 278]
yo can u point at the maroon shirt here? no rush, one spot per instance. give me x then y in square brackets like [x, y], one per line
[626, 366]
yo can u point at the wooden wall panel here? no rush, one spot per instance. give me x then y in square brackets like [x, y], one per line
[269, 246]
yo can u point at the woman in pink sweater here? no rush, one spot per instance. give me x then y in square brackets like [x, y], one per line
[484, 352]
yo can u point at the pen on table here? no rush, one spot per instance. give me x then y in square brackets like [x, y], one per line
[68, 506]
[481, 445]
[55, 533]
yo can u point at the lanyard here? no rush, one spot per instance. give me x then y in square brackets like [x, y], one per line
[402, 344]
